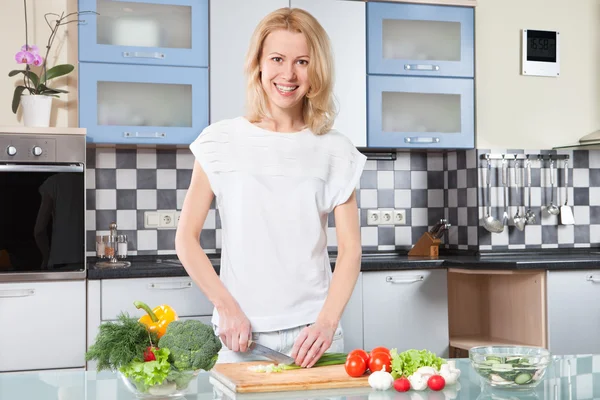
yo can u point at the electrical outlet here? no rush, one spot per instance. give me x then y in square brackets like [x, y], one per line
[400, 217]
[387, 217]
[166, 219]
[177, 215]
[373, 217]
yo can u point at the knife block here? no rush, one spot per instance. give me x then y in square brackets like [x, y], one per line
[426, 246]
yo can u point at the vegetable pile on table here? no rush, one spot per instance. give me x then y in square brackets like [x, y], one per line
[157, 353]
[410, 369]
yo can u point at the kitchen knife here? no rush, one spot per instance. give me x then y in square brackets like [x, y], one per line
[271, 354]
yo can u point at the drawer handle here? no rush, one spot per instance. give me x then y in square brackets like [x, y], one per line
[593, 279]
[143, 54]
[421, 67]
[391, 279]
[17, 293]
[421, 139]
[170, 286]
[159, 135]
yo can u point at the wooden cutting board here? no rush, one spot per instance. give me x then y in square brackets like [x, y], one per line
[238, 378]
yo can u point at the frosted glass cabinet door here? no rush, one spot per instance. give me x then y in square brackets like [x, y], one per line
[420, 39]
[416, 112]
[142, 104]
[154, 32]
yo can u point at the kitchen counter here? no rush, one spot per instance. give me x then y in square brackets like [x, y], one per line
[568, 377]
[549, 259]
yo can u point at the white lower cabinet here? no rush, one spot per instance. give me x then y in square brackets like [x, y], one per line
[406, 310]
[352, 318]
[108, 297]
[43, 325]
[573, 316]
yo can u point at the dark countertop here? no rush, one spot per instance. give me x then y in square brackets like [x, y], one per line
[548, 259]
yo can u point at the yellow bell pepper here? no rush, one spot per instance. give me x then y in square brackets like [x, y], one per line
[157, 319]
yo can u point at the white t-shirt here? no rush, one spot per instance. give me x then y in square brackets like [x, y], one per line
[274, 192]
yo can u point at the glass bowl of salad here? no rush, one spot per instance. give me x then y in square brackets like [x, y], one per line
[510, 367]
[176, 384]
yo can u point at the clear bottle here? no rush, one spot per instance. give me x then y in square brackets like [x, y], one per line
[100, 247]
[110, 244]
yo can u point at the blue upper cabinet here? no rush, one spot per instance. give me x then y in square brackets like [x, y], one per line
[142, 104]
[420, 112]
[420, 40]
[153, 32]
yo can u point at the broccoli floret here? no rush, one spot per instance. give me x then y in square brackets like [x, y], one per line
[193, 345]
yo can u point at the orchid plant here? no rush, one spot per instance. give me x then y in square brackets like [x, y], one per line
[29, 55]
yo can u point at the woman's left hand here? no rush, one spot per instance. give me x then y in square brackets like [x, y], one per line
[313, 341]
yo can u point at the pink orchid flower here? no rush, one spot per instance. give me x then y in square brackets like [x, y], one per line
[32, 48]
[37, 60]
[24, 57]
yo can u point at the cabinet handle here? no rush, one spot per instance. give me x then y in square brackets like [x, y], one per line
[170, 286]
[158, 135]
[17, 293]
[421, 67]
[421, 139]
[143, 54]
[593, 279]
[391, 279]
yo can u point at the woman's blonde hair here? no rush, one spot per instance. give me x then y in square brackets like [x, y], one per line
[318, 108]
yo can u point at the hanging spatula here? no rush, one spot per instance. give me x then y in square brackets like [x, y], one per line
[566, 214]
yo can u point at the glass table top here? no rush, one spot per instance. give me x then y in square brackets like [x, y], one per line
[567, 378]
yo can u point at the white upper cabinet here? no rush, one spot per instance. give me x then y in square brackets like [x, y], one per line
[344, 21]
[232, 23]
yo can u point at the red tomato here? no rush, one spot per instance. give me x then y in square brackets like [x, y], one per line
[381, 349]
[378, 360]
[355, 366]
[436, 382]
[360, 352]
[402, 385]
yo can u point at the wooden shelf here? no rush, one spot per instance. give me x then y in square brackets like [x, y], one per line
[496, 307]
[467, 342]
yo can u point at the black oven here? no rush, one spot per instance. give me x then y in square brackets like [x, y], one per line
[42, 207]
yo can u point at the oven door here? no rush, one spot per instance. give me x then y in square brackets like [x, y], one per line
[42, 222]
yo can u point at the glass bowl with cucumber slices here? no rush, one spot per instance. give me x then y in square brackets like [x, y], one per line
[510, 367]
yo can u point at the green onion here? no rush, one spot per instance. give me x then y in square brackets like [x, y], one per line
[326, 359]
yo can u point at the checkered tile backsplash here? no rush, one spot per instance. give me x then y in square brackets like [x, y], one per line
[124, 183]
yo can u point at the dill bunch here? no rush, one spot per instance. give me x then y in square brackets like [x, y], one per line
[119, 343]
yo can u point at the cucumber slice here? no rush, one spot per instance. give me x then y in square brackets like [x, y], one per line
[513, 360]
[502, 367]
[494, 358]
[523, 378]
[491, 362]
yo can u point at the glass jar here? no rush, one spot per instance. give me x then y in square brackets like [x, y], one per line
[110, 246]
[100, 247]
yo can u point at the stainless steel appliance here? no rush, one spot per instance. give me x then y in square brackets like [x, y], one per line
[42, 207]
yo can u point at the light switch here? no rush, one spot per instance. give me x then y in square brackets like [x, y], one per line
[151, 219]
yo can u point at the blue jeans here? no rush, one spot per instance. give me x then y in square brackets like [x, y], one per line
[281, 341]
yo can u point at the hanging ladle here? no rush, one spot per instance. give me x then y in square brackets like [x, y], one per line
[552, 208]
[490, 223]
[518, 219]
[529, 215]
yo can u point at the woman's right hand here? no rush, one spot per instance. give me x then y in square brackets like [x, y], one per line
[234, 329]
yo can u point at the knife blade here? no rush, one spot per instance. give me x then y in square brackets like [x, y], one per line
[271, 354]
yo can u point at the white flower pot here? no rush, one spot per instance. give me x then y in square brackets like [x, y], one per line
[36, 110]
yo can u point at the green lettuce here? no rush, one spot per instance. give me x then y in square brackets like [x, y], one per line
[406, 363]
[150, 373]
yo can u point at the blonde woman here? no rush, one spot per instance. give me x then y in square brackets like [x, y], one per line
[276, 174]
